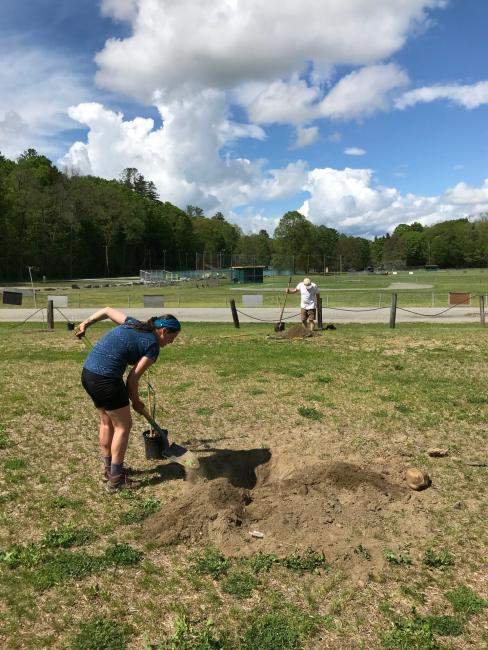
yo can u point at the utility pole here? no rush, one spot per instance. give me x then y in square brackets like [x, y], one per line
[340, 264]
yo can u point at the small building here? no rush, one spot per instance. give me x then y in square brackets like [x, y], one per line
[246, 274]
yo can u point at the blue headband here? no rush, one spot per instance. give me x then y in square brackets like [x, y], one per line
[171, 323]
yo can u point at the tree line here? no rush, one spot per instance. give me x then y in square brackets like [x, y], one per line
[68, 226]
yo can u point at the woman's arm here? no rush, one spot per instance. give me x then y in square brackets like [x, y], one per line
[115, 315]
[133, 382]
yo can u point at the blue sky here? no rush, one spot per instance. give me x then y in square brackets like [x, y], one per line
[230, 86]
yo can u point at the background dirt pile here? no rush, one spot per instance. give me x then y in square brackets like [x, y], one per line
[298, 331]
[332, 507]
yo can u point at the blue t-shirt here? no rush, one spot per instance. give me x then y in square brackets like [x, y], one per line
[121, 347]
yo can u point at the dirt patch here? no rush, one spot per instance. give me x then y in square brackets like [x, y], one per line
[295, 332]
[333, 507]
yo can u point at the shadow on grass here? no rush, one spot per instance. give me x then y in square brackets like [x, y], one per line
[237, 466]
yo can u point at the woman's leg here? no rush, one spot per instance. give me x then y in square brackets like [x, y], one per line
[122, 422]
[106, 434]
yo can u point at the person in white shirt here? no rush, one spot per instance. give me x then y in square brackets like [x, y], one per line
[308, 302]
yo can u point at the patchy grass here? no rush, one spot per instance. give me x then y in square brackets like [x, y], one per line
[101, 633]
[71, 564]
[310, 413]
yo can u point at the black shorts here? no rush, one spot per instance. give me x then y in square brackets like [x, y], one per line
[106, 392]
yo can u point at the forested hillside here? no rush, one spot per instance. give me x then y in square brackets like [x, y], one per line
[83, 226]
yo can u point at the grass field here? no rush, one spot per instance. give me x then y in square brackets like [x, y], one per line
[363, 290]
[78, 568]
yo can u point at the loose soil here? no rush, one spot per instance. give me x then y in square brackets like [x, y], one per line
[330, 507]
[295, 332]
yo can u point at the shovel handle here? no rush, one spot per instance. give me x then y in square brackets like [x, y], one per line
[145, 413]
[284, 301]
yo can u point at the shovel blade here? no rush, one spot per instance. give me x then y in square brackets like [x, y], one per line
[279, 327]
[178, 454]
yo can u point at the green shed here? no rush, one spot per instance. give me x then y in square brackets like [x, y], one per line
[245, 274]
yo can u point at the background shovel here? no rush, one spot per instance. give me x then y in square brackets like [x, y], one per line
[280, 325]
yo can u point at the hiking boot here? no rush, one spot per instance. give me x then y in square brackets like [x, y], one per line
[106, 473]
[119, 482]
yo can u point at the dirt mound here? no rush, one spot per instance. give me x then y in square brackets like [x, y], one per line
[295, 332]
[334, 507]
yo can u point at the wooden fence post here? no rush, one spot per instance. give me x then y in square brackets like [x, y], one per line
[482, 311]
[393, 309]
[320, 325]
[234, 312]
[50, 314]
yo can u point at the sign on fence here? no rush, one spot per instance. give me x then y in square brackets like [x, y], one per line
[459, 298]
[153, 301]
[59, 301]
[255, 300]
[12, 297]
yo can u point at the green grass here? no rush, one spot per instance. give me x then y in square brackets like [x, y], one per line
[438, 559]
[140, 511]
[310, 413]
[70, 554]
[239, 584]
[209, 562]
[466, 602]
[363, 290]
[100, 633]
[397, 558]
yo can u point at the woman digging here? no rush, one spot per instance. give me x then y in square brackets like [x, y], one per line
[131, 343]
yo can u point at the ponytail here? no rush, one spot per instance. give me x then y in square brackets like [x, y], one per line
[168, 321]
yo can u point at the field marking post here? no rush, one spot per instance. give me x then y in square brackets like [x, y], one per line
[233, 309]
[393, 309]
[482, 310]
[320, 324]
[50, 314]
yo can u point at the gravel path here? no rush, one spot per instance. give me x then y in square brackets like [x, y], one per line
[223, 315]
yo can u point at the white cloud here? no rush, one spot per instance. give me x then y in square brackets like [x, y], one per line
[464, 194]
[281, 102]
[37, 86]
[359, 94]
[354, 151]
[120, 9]
[224, 43]
[305, 136]
[335, 137]
[468, 96]
[363, 92]
[350, 201]
[183, 157]
[284, 182]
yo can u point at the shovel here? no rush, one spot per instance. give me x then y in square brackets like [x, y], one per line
[173, 452]
[280, 325]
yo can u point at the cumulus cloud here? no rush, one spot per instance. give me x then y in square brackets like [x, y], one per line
[467, 96]
[363, 92]
[120, 9]
[354, 151]
[37, 86]
[183, 157]
[224, 43]
[305, 136]
[349, 200]
[281, 102]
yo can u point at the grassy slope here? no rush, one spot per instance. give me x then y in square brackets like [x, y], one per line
[390, 392]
